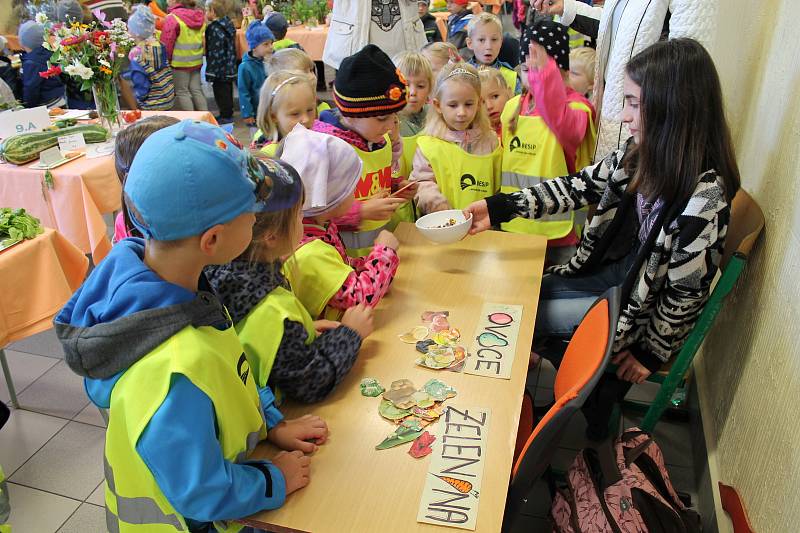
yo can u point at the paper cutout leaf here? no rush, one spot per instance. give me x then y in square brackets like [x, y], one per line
[422, 445]
[371, 387]
[415, 335]
[428, 316]
[439, 390]
[387, 410]
[400, 393]
[424, 346]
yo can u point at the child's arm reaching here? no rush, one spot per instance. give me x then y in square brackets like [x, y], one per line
[371, 279]
[550, 94]
[181, 449]
[429, 198]
[308, 372]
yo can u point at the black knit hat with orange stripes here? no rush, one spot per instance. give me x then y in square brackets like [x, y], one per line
[369, 85]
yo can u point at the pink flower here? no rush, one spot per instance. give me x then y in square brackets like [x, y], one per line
[99, 15]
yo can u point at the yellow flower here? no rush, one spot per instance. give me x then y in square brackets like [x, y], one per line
[395, 93]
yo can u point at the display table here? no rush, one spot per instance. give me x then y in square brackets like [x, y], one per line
[357, 488]
[37, 277]
[312, 40]
[84, 190]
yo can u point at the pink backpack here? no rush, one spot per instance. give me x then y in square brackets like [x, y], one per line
[622, 489]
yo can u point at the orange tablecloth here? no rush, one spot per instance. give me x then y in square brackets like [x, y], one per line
[84, 190]
[312, 41]
[37, 277]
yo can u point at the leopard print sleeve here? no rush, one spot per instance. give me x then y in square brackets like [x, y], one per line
[309, 372]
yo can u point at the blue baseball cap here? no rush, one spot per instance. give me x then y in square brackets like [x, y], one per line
[191, 176]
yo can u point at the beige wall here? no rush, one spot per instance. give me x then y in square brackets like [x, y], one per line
[5, 17]
[749, 374]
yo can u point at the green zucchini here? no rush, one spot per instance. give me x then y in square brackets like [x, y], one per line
[26, 147]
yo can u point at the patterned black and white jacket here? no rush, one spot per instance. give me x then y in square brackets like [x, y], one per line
[669, 283]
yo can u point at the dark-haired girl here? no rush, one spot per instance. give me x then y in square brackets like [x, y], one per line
[663, 206]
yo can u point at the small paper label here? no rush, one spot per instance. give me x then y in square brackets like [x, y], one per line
[50, 156]
[495, 342]
[69, 143]
[23, 121]
[453, 483]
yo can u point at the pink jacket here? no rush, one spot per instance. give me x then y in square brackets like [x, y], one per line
[471, 141]
[552, 97]
[194, 18]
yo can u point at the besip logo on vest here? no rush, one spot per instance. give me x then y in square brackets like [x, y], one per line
[243, 368]
[525, 148]
[468, 180]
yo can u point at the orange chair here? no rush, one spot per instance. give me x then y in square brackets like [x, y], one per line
[585, 359]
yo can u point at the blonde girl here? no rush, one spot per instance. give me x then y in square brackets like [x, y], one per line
[581, 70]
[295, 59]
[296, 360]
[495, 93]
[458, 155]
[287, 98]
[439, 54]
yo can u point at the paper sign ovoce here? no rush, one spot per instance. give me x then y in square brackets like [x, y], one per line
[452, 487]
[495, 343]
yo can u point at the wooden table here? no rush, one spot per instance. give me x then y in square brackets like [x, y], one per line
[37, 277]
[84, 190]
[357, 488]
[312, 40]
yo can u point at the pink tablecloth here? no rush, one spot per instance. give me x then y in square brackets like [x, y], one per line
[312, 41]
[84, 190]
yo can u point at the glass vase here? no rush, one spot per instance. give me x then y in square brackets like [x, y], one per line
[106, 103]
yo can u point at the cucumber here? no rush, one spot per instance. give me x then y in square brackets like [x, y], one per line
[26, 147]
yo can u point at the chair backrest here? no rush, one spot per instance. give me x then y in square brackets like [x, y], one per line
[747, 221]
[583, 364]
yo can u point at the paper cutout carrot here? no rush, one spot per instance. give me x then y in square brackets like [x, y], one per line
[465, 487]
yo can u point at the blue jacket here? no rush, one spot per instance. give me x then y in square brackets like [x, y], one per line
[497, 64]
[251, 78]
[220, 50]
[179, 444]
[36, 90]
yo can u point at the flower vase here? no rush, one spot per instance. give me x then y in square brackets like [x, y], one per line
[106, 102]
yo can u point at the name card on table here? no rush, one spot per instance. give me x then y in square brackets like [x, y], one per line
[453, 484]
[69, 143]
[51, 156]
[23, 121]
[492, 351]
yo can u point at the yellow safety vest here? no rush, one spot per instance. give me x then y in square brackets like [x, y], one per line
[530, 155]
[316, 272]
[281, 44]
[405, 213]
[376, 177]
[462, 178]
[188, 50]
[214, 362]
[261, 331]
[510, 76]
[322, 106]
[5, 506]
[270, 149]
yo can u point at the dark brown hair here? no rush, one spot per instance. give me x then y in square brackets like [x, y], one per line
[683, 128]
[128, 142]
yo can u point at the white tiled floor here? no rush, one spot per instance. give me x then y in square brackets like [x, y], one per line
[52, 448]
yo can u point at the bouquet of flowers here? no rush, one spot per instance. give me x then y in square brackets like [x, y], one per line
[93, 53]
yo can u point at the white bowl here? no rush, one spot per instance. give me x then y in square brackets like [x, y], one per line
[429, 226]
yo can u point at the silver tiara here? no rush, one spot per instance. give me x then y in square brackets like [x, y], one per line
[281, 84]
[459, 71]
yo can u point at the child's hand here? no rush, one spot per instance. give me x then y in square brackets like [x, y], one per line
[549, 7]
[630, 369]
[250, 121]
[387, 238]
[406, 194]
[359, 319]
[295, 467]
[480, 216]
[380, 207]
[321, 326]
[302, 434]
[537, 56]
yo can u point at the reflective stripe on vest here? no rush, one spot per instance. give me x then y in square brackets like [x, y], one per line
[530, 155]
[316, 272]
[188, 50]
[269, 316]
[215, 363]
[376, 177]
[462, 178]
